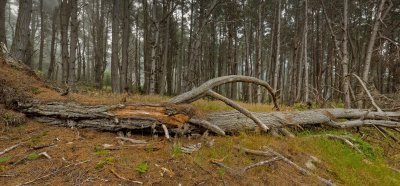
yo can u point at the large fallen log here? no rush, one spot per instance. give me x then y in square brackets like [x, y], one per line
[178, 118]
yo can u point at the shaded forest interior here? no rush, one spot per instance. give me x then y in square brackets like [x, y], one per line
[307, 50]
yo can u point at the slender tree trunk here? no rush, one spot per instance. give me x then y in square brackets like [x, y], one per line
[73, 44]
[278, 46]
[379, 15]
[64, 20]
[154, 49]
[306, 75]
[115, 66]
[345, 59]
[21, 37]
[50, 71]
[3, 32]
[259, 49]
[42, 36]
[125, 85]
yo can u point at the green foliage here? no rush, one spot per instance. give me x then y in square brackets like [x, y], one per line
[35, 90]
[4, 159]
[106, 161]
[99, 150]
[176, 150]
[142, 167]
[32, 156]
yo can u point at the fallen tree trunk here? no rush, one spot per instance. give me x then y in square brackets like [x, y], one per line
[233, 121]
[180, 118]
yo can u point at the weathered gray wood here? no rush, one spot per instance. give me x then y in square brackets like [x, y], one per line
[200, 91]
[239, 108]
[233, 121]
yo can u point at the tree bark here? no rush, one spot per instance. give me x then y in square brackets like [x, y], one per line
[42, 36]
[125, 85]
[3, 32]
[21, 36]
[50, 71]
[345, 58]
[64, 22]
[115, 65]
[73, 44]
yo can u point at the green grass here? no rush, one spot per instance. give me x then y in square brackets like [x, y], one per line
[102, 163]
[340, 162]
[5, 159]
[349, 166]
[99, 150]
[32, 156]
[176, 150]
[142, 167]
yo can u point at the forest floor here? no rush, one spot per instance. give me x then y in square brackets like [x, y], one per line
[82, 156]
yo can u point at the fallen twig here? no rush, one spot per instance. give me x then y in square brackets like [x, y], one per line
[166, 133]
[345, 139]
[9, 148]
[261, 163]
[43, 146]
[189, 149]
[45, 155]
[134, 141]
[123, 178]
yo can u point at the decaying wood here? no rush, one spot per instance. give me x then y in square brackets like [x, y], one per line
[144, 116]
[233, 121]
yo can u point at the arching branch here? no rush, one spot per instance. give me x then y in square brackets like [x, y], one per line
[238, 108]
[201, 91]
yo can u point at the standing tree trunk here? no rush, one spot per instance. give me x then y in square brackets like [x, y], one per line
[42, 29]
[259, 49]
[278, 46]
[154, 49]
[125, 85]
[64, 20]
[21, 36]
[115, 77]
[379, 16]
[52, 45]
[99, 61]
[345, 58]
[3, 33]
[306, 82]
[73, 44]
